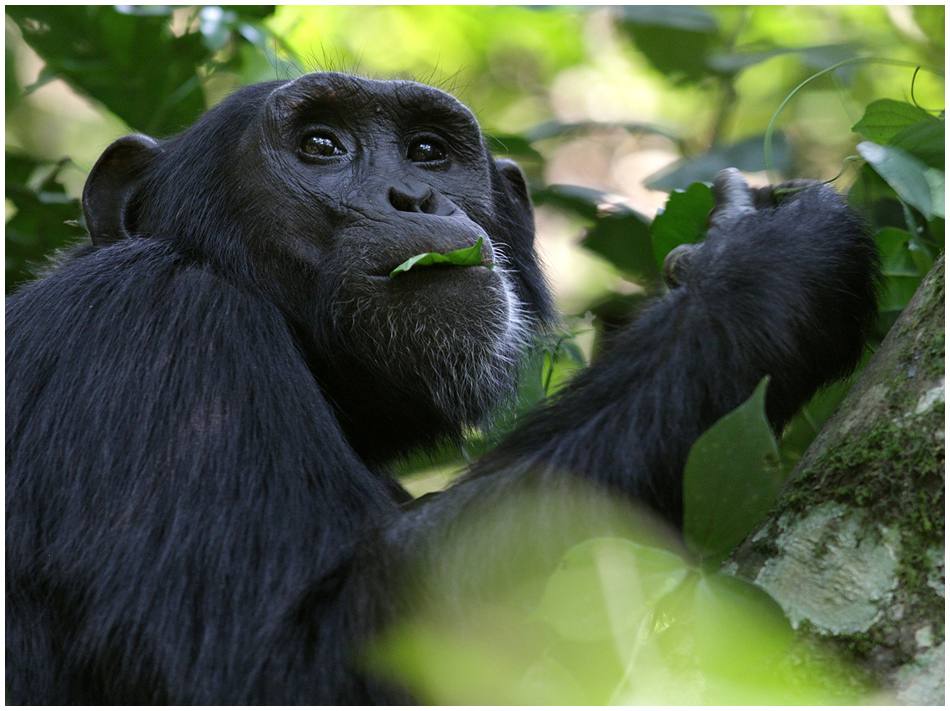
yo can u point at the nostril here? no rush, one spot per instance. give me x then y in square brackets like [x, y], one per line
[402, 202]
[427, 205]
[424, 201]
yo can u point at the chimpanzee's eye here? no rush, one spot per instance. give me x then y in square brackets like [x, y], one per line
[426, 150]
[319, 144]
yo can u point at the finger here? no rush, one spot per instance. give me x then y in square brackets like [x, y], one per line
[676, 264]
[731, 192]
[733, 198]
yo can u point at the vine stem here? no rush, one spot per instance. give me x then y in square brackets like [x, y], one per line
[767, 148]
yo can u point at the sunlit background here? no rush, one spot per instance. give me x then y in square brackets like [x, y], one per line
[519, 67]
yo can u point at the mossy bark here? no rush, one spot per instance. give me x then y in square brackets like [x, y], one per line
[854, 548]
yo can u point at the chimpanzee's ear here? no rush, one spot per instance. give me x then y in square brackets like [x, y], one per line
[515, 179]
[111, 185]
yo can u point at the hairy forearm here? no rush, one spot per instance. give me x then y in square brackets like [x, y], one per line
[783, 291]
[786, 291]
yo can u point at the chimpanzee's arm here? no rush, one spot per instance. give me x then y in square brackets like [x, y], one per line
[784, 290]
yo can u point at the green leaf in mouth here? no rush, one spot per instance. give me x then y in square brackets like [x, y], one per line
[465, 257]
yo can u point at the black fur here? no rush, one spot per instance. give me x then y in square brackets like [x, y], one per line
[201, 405]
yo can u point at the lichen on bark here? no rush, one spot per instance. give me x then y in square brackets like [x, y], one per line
[854, 548]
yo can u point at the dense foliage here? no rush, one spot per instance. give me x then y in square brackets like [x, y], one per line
[721, 75]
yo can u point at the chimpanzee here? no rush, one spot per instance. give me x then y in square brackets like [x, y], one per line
[203, 402]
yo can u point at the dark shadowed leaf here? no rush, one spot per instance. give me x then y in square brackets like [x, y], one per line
[46, 217]
[676, 39]
[731, 479]
[818, 57]
[624, 240]
[682, 221]
[746, 155]
[129, 60]
[585, 202]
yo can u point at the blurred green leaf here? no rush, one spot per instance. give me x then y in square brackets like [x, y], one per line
[808, 422]
[11, 89]
[936, 180]
[746, 155]
[816, 57]
[624, 241]
[723, 641]
[731, 479]
[551, 683]
[692, 18]
[215, 26]
[931, 19]
[513, 145]
[897, 293]
[735, 62]
[480, 663]
[605, 587]
[706, 615]
[559, 129]
[675, 39]
[129, 60]
[45, 219]
[585, 202]
[682, 221]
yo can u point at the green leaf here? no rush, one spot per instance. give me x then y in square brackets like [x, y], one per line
[605, 587]
[800, 432]
[513, 145]
[936, 179]
[674, 39]
[884, 118]
[746, 155]
[904, 173]
[691, 18]
[931, 20]
[465, 257]
[895, 258]
[731, 479]
[558, 129]
[126, 57]
[728, 642]
[681, 55]
[925, 140]
[624, 240]
[904, 262]
[585, 202]
[820, 56]
[922, 254]
[682, 221]
[45, 216]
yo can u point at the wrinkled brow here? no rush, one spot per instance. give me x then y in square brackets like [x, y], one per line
[423, 104]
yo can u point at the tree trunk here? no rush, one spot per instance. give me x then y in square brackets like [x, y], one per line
[854, 549]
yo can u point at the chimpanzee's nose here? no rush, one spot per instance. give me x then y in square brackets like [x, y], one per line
[419, 198]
